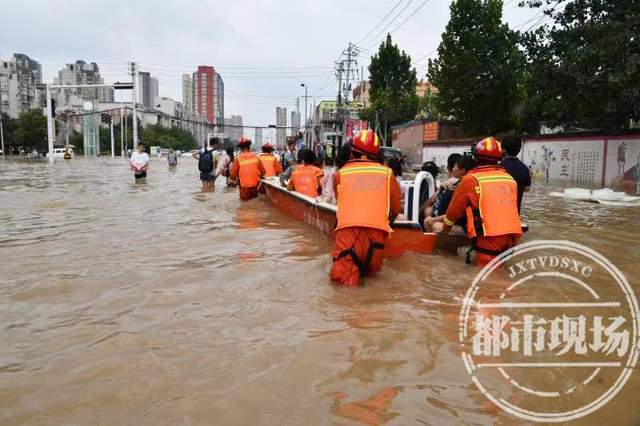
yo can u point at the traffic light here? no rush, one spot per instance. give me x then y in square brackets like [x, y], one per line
[53, 108]
[106, 118]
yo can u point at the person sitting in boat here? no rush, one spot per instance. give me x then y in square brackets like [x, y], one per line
[396, 167]
[328, 194]
[488, 196]
[368, 198]
[270, 163]
[248, 169]
[305, 178]
[291, 165]
[516, 168]
[457, 165]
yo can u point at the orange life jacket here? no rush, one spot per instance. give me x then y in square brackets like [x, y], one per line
[249, 169]
[497, 212]
[269, 163]
[364, 196]
[305, 180]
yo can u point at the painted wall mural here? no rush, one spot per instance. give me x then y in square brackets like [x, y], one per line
[594, 162]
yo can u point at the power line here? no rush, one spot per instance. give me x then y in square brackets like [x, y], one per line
[384, 29]
[380, 23]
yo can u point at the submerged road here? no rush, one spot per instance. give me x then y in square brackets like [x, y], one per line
[158, 304]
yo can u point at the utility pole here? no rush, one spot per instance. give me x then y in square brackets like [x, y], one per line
[50, 124]
[306, 96]
[4, 154]
[113, 147]
[338, 127]
[126, 134]
[121, 130]
[134, 75]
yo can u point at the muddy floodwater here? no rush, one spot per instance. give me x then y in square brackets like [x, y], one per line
[158, 304]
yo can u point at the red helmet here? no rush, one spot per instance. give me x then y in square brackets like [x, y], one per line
[489, 149]
[267, 147]
[367, 142]
[244, 141]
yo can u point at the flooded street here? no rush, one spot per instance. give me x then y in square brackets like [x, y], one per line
[158, 304]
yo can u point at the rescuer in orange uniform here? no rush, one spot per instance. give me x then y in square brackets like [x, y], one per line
[270, 163]
[368, 198]
[305, 177]
[248, 169]
[488, 196]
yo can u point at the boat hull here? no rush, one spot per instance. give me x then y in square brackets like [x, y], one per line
[406, 236]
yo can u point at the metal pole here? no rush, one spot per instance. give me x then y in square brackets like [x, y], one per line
[134, 73]
[50, 129]
[113, 149]
[121, 131]
[306, 142]
[126, 133]
[1, 128]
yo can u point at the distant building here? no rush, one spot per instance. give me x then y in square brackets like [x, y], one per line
[233, 128]
[147, 90]
[80, 72]
[281, 131]
[361, 93]
[258, 137]
[295, 123]
[18, 79]
[169, 107]
[208, 94]
[187, 93]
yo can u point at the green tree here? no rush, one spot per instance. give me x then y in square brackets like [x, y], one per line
[30, 130]
[583, 68]
[479, 69]
[393, 88]
[172, 137]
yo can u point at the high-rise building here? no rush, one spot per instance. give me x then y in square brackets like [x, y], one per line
[281, 131]
[208, 95]
[258, 137]
[187, 93]
[80, 72]
[233, 128]
[18, 79]
[295, 123]
[147, 90]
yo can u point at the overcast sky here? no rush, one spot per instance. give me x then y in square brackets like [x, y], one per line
[262, 49]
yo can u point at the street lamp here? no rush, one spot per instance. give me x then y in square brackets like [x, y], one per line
[305, 113]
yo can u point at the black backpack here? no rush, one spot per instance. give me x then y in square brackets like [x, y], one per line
[205, 164]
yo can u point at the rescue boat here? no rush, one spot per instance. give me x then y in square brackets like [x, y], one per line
[407, 235]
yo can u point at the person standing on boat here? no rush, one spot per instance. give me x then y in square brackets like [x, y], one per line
[248, 169]
[368, 198]
[488, 196]
[305, 178]
[270, 163]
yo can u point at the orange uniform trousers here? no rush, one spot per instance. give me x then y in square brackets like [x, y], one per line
[249, 193]
[345, 269]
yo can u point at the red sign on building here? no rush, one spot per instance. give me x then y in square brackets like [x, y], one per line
[430, 131]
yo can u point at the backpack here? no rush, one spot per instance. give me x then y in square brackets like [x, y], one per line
[205, 163]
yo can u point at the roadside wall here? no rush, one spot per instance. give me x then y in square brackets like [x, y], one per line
[590, 161]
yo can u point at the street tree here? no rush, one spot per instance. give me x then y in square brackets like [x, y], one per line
[30, 130]
[479, 69]
[393, 88]
[583, 65]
